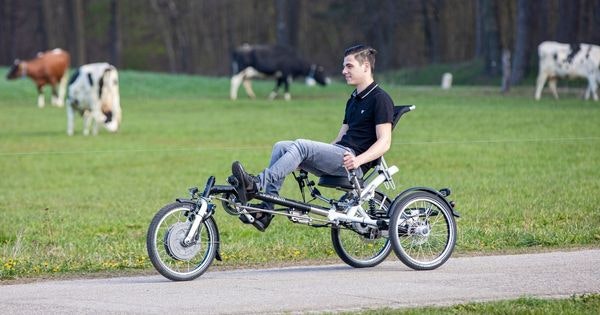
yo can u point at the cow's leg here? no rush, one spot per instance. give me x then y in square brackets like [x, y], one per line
[97, 118]
[87, 120]
[539, 85]
[593, 86]
[552, 86]
[275, 91]
[41, 102]
[588, 91]
[54, 100]
[286, 84]
[236, 80]
[248, 87]
[62, 89]
[70, 118]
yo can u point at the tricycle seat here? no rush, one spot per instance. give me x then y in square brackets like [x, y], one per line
[337, 182]
[342, 182]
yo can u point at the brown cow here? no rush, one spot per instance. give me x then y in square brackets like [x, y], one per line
[46, 68]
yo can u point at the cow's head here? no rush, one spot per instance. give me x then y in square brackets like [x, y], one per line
[317, 74]
[15, 70]
[110, 100]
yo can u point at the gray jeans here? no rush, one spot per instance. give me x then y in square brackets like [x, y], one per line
[315, 157]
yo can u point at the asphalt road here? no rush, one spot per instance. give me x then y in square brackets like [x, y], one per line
[316, 288]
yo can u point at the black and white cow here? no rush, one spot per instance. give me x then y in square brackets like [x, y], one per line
[283, 63]
[558, 60]
[94, 92]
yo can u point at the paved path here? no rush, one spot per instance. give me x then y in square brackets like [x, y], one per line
[316, 288]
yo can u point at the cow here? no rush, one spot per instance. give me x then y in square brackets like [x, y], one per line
[94, 92]
[558, 60]
[281, 62]
[48, 67]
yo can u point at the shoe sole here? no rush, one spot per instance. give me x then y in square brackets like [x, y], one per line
[238, 172]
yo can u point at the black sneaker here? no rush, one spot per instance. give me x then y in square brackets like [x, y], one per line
[245, 184]
[261, 219]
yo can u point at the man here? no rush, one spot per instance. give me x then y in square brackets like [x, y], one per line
[365, 135]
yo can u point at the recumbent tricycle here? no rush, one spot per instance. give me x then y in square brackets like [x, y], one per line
[366, 225]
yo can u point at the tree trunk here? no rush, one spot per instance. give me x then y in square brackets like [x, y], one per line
[431, 21]
[595, 23]
[492, 37]
[12, 31]
[282, 29]
[114, 34]
[294, 8]
[521, 41]
[542, 10]
[568, 21]
[479, 38]
[41, 32]
[79, 27]
[166, 32]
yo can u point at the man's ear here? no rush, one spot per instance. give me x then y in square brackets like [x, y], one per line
[367, 65]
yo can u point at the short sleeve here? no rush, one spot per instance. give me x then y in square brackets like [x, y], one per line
[384, 109]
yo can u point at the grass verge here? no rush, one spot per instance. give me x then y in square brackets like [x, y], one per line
[524, 173]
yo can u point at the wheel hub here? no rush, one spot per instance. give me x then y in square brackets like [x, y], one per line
[174, 242]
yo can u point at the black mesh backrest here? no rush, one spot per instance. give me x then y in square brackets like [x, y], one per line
[398, 112]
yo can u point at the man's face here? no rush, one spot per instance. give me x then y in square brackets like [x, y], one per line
[354, 72]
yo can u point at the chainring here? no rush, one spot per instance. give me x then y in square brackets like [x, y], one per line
[174, 242]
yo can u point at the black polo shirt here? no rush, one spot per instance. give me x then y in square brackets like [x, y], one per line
[364, 111]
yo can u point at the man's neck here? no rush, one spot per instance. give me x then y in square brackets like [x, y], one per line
[362, 86]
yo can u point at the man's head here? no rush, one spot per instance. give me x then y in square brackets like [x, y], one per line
[362, 54]
[359, 63]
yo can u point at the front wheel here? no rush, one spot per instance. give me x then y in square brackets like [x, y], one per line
[362, 246]
[426, 230]
[168, 253]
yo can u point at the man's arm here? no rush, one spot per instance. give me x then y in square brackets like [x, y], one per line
[342, 132]
[377, 149]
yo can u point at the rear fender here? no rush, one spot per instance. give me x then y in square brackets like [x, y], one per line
[430, 190]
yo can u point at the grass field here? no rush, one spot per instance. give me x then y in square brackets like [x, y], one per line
[525, 174]
[576, 304]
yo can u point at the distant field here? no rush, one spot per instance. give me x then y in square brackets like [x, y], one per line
[525, 174]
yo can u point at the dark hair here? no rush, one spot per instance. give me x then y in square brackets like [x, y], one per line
[362, 53]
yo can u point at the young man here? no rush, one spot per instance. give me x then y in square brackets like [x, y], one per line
[365, 135]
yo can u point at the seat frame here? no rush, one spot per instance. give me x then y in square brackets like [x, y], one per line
[376, 166]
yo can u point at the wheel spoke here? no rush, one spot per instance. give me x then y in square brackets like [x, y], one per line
[430, 231]
[171, 257]
[360, 245]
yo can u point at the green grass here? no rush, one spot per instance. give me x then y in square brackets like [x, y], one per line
[576, 304]
[524, 173]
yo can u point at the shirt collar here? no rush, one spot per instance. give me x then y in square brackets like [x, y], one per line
[366, 91]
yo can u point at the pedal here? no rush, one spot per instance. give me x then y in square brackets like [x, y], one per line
[246, 218]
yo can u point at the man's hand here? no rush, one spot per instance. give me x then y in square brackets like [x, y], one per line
[350, 161]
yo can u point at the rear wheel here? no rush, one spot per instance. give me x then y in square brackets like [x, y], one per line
[426, 230]
[362, 246]
[168, 253]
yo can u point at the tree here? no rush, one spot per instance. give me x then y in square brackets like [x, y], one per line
[169, 18]
[491, 36]
[294, 8]
[114, 34]
[568, 21]
[77, 11]
[283, 37]
[431, 21]
[521, 41]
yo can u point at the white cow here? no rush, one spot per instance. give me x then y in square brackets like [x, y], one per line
[559, 60]
[94, 92]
